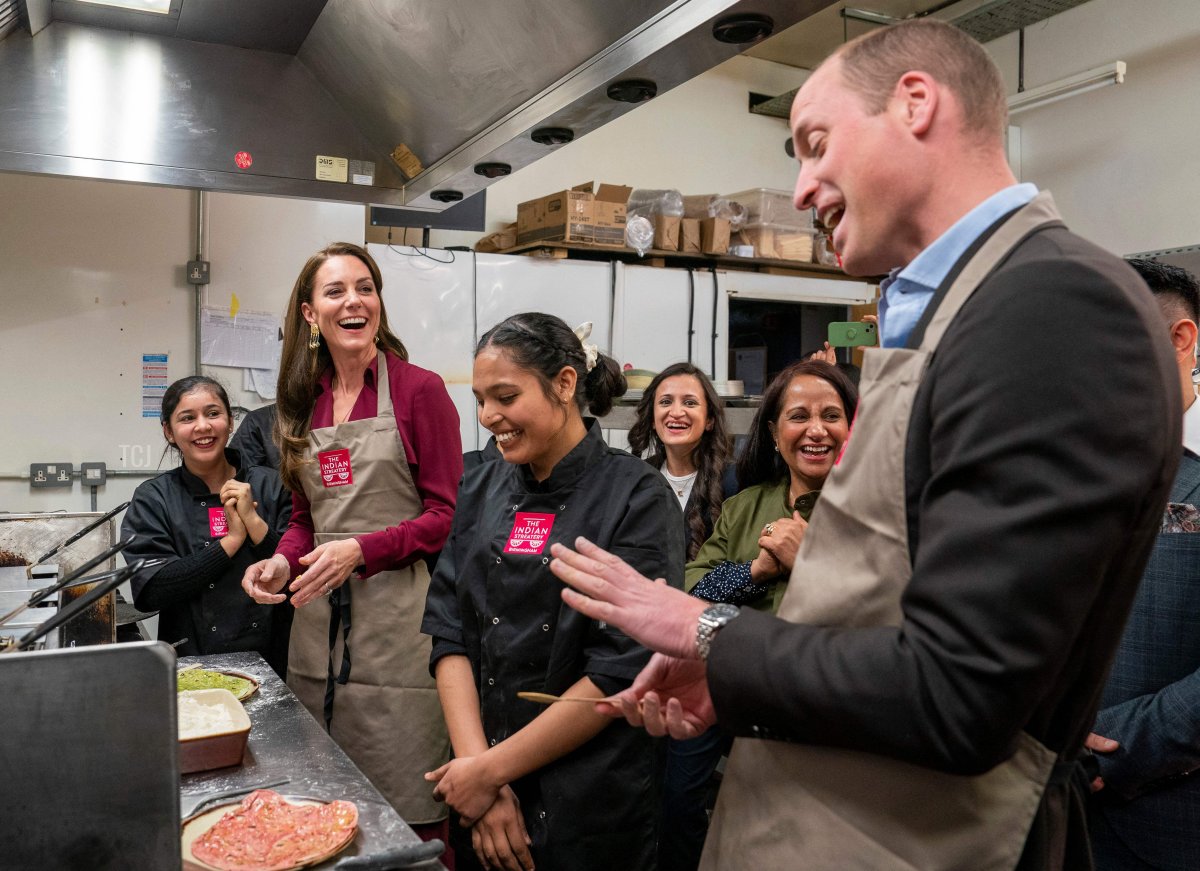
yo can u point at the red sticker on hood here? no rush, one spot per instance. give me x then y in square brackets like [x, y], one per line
[530, 533]
[335, 468]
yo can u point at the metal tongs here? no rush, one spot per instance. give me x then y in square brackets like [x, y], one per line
[80, 534]
[231, 793]
[71, 579]
[105, 583]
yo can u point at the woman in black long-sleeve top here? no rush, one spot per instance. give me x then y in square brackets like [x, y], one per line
[562, 786]
[211, 518]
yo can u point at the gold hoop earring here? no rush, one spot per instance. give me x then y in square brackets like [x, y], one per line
[314, 337]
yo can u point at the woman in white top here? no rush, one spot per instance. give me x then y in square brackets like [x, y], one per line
[681, 425]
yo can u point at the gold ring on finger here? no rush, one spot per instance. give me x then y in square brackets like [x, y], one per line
[768, 529]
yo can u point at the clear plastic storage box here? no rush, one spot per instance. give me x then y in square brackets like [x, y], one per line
[774, 207]
[777, 241]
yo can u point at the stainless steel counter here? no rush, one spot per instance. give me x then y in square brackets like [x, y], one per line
[285, 741]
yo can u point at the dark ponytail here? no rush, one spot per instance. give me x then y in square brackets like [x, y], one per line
[544, 344]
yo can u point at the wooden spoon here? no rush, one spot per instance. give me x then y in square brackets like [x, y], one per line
[548, 699]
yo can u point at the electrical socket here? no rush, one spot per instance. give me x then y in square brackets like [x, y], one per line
[93, 474]
[50, 475]
[198, 272]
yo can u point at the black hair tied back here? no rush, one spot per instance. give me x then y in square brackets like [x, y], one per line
[603, 385]
[544, 344]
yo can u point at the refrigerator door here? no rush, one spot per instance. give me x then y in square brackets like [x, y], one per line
[666, 316]
[429, 297]
[574, 290]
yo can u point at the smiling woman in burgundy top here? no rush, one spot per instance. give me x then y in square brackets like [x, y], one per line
[370, 448]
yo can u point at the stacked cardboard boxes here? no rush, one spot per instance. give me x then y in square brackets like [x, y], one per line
[575, 215]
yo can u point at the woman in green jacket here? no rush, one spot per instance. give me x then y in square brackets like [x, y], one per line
[794, 443]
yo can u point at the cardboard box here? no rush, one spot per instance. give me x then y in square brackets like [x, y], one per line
[575, 215]
[689, 235]
[408, 162]
[501, 240]
[666, 232]
[609, 214]
[714, 236]
[696, 206]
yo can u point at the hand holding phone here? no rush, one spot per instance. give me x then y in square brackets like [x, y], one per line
[850, 334]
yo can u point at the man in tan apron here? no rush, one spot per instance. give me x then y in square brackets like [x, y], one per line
[963, 583]
[358, 660]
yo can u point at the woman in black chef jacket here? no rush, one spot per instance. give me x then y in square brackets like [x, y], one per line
[560, 786]
[211, 518]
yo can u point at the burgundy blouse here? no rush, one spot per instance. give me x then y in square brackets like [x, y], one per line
[428, 425]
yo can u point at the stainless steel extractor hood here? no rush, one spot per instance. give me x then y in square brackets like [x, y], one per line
[250, 96]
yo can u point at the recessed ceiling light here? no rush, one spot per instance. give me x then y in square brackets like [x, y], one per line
[160, 7]
[743, 28]
[493, 170]
[632, 91]
[552, 135]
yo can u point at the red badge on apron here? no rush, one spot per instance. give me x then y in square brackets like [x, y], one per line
[530, 533]
[218, 523]
[335, 468]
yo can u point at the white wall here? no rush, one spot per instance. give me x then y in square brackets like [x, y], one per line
[257, 246]
[1123, 162]
[92, 277]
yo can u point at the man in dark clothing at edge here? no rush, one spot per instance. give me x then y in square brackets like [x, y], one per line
[923, 696]
[1145, 812]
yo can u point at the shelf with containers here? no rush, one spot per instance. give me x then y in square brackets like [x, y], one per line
[775, 229]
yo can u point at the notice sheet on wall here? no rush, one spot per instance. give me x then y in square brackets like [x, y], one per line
[154, 383]
[248, 339]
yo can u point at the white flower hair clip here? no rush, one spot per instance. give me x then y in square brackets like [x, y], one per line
[590, 352]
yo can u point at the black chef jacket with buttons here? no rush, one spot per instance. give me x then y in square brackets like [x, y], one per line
[169, 517]
[494, 600]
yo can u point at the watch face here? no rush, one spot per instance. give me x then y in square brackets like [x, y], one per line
[721, 613]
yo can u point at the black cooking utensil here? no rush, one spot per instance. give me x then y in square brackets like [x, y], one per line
[81, 533]
[96, 560]
[109, 581]
[396, 857]
[71, 579]
[233, 793]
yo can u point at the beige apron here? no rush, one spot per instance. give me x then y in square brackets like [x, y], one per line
[358, 660]
[796, 806]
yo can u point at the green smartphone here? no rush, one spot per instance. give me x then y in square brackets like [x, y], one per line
[849, 334]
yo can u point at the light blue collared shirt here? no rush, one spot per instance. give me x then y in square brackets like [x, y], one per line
[907, 291]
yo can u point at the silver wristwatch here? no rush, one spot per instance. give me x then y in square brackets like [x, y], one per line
[711, 620]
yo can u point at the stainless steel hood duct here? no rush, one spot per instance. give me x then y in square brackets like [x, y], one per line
[183, 100]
